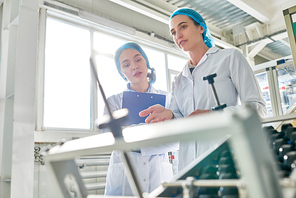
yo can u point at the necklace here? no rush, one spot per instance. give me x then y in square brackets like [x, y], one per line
[190, 65]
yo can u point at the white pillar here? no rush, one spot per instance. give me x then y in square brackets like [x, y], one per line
[19, 102]
[22, 171]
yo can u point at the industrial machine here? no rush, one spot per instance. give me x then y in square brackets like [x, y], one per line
[244, 147]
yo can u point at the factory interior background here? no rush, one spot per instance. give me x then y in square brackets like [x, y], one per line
[47, 91]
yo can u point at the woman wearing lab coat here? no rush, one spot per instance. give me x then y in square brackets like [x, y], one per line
[151, 164]
[235, 83]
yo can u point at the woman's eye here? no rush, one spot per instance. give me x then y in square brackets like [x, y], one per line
[126, 65]
[183, 26]
[138, 60]
[173, 33]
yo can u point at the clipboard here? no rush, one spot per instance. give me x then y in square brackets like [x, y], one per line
[136, 102]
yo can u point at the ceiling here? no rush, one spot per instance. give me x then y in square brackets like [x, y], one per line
[237, 22]
[256, 27]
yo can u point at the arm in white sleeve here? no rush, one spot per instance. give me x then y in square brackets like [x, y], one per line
[164, 148]
[246, 84]
[174, 105]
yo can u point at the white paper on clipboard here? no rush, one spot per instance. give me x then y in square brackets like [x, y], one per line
[136, 102]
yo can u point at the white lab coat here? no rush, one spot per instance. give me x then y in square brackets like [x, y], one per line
[235, 84]
[152, 164]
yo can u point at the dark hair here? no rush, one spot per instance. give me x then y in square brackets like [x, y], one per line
[195, 23]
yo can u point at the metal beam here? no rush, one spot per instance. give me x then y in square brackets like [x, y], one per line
[258, 47]
[254, 8]
[264, 53]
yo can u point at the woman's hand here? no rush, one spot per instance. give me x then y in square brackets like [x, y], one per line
[197, 112]
[157, 114]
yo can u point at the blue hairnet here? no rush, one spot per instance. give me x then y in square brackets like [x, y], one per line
[133, 45]
[207, 37]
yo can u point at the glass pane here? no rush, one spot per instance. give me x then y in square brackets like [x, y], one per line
[287, 86]
[263, 83]
[106, 44]
[109, 77]
[157, 61]
[172, 79]
[110, 80]
[176, 63]
[67, 76]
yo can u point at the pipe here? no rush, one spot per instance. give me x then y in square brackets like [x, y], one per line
[262, 38]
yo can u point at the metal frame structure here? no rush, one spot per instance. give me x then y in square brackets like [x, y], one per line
[291, 29]
[271, 72]
[256, 163]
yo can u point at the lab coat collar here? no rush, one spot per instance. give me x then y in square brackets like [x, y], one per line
[212, 50]
[186, 71]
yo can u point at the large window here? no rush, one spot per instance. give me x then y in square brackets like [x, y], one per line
[157, 61]
[112, 83]
[287, 86]
[72, 99]
[175, 65]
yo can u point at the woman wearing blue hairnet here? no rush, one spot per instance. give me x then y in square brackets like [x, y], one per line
[151, 164]
[235, 83]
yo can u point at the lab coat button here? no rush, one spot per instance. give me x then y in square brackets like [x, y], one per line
[144, 163]
[144, 180]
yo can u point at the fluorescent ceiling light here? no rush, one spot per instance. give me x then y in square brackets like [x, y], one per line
[143, 10]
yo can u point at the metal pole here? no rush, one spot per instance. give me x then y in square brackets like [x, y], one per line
[100, 87]
[131, 176]
[115, 127]
[215, 95]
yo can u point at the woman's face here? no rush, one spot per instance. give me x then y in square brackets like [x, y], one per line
[186, 34]
[133, 66]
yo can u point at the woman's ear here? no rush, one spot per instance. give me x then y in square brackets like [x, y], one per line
[201, 29]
